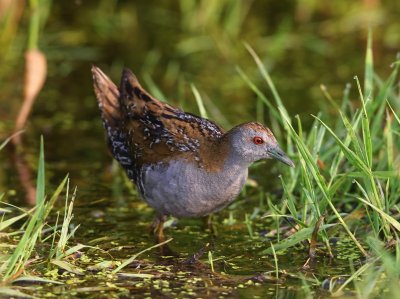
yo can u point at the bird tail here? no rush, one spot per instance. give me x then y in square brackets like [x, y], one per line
[107, 95]
[108, 98]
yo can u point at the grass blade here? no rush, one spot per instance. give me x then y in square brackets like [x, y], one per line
[134, 257]
[369, 68]
[40, 182]
[199, 101]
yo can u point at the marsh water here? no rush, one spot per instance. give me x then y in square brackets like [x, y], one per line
[170, 46]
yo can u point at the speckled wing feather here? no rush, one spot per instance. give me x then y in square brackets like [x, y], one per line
[145, 131]
[158, 131]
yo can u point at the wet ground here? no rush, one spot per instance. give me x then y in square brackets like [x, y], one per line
[115, 226]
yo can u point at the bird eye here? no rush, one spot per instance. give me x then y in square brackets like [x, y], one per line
[258, 140]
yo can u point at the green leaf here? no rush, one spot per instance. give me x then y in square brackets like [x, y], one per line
[40, 183]
[365, 128]
[199, 101]
[36, 279]
[13, 293]
[6, 223]
[294, 239]
[68, 267]
[73, 250]
[387, 217]
[135, 275]
[369, 68]
[134, 257]
[350, 155]
[380, 174]
[5, 142]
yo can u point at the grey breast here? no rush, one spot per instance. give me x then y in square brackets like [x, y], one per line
[182, 189]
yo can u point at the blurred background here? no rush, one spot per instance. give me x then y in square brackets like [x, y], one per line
[169, 45]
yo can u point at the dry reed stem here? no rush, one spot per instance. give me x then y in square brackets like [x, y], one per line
[35, 76]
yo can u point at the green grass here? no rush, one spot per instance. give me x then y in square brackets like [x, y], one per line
[15, 263]
[344, 165]
[36, 247]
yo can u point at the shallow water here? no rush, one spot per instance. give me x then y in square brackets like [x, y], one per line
[116, 224]
[117, 229]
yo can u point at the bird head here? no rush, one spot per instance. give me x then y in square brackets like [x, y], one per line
[252, 141]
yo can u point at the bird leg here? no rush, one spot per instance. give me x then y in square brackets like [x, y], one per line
[210, 225]
[157, 228]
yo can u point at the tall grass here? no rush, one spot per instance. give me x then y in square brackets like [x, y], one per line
[345, 168]
[14, 265]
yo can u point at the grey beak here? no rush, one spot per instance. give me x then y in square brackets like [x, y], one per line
[280, 155]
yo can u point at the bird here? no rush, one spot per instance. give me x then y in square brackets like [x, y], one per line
[183, 165]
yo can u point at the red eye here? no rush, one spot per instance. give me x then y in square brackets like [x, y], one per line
[258, 140]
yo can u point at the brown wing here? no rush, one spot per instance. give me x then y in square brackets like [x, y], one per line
[159, 132]
[143, 130]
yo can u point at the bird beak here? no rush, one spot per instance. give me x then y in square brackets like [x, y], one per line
[280, 155]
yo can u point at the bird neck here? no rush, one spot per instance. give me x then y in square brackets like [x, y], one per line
[216, 155]
[233, 159]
